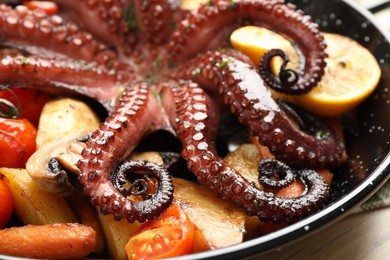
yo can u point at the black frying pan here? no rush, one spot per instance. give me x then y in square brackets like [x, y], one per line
[367, 131]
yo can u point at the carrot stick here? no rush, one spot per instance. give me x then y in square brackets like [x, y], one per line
[296, 188]
[87, 215]
[52, 241]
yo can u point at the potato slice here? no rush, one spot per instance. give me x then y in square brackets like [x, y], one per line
[245, 159]
[32, 204]
[117, 234]
[221, 223]
[65, 116]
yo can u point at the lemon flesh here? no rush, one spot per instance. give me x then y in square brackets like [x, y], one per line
[351, 75]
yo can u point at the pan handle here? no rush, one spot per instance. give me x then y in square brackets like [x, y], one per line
[378, 6]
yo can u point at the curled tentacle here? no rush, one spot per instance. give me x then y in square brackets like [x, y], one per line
[269, 168]
[287, 80]
[140, 186]
[250, 100]
[221, 17]
[194, 117]
[134, 117]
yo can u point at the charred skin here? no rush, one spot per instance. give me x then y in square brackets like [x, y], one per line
[193, 119]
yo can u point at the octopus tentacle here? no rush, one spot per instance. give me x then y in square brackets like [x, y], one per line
[307, 121]
[138, 187]
[193, 117]
[156, 19]
[114, 28]
[134, 117]
[291, 112]
[135, 29]
[58, 76]
[287, 78]
[118, 25]
[269, 168]
[194, 34]
[118, 28]
[50, 36]
[68, 54]
[249, 99]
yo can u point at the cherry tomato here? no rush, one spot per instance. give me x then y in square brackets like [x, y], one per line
[30, 102]
[49, 7]
[17, 142]
[171, 234]
[6, 203]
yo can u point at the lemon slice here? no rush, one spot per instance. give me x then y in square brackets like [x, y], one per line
[351, 74]
[256, 41]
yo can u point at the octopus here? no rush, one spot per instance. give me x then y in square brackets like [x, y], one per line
[156, 66]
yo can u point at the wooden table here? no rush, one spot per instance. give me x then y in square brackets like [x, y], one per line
[358, 236]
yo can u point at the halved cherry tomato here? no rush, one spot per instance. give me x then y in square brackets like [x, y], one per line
[171, 234]
[17, 142]
[6, 203]
[30, 102]
[49, 7]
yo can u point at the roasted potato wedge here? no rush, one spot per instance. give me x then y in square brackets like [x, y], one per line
[32, 204]
[245, 159]
[65, 116]
[221, 223]
[117, 234]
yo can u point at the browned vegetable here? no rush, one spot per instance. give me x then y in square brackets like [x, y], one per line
[87, 215]
[221, 223]
[53, 241]
[65, 116]
[67, 151]
[117, 234]
[33, 205]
